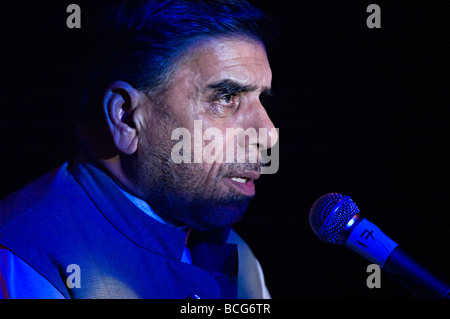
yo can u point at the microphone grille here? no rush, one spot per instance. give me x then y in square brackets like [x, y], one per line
[330, 214]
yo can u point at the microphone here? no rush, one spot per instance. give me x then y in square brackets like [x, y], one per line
[335, 219]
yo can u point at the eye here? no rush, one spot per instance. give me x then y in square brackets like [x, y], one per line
[225, 103]
[228, 100]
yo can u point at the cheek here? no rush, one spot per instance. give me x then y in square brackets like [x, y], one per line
[237, 145]
[158, 130]
[206, 174]
[224, 145]
[219, 142]
[221, 148]
[213, 146]
[196, 180]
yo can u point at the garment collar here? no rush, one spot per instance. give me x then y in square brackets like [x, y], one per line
[133, 223]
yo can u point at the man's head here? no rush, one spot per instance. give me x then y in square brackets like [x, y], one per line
[178, 63]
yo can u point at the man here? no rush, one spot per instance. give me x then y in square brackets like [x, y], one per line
[124, 219]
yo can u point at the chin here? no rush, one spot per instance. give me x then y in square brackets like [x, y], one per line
[208, 217]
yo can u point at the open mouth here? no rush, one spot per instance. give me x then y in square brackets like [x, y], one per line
[243, 182]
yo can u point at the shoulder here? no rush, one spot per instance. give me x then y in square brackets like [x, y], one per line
[52, 189]
[18, 280]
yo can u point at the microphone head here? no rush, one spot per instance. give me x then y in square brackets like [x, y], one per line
[330, 215]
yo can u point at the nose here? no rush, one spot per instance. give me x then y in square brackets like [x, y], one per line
[267, 133]
[260, 134]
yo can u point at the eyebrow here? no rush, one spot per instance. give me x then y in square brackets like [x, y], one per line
[228, 86]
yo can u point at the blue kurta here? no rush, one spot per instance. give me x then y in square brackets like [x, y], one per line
[77, 215]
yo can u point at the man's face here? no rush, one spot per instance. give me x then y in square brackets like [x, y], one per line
[218, 82]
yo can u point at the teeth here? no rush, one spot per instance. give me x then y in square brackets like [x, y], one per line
[239, 180]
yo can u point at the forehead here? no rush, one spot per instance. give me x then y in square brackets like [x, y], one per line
[242, 60]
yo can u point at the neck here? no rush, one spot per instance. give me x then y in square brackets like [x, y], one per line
[112, 166]
[114, 169]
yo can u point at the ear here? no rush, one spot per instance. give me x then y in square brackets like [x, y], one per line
[119, 104]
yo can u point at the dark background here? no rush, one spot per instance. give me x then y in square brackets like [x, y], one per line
[361, 111]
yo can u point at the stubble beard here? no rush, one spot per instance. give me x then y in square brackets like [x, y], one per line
[183, 193]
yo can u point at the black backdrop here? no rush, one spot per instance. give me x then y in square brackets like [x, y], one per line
[361, 111]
